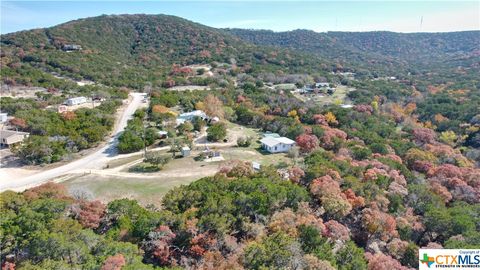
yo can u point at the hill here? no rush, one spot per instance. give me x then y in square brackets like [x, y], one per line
[138, 50]
[129, 50]
[381, 50]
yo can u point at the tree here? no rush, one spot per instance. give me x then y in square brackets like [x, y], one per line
[295, 174]
[186, 127]
[129, 142]
[115, 262]
[90, 213]
[273, 252]
[350, 257]
[213, 106]
[449, 137]
[424, 135]
[307, 143]
[244, 141]
[158, 245]
[18, 122]
[331, 119]
[216, 132]
[381, 261]
[198, 123]
[330, 195]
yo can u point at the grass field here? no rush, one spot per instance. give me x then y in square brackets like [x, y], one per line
[107, 188]
[149, 188]
[338, 97]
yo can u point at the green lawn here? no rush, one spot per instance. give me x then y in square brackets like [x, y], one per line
[149, 188]
[107, 188]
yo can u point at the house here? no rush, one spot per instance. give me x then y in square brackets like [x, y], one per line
[11, 137]
[277, 145]
[330, 90]
[322, 85]
[182, 118]
[76, 101]
[3, 117]
[62, 109]
[71, 47]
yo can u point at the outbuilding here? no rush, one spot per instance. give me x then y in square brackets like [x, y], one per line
[76, 101]
[3, 117]
[185, 151]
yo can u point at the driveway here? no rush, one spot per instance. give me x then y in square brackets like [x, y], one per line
[94, 161]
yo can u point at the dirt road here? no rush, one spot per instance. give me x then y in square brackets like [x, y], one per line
[94, 161]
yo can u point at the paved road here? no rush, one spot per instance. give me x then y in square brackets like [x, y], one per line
[95, 160]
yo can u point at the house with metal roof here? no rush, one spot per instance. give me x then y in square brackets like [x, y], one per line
[182, 118]
[11, 137]
[277, 144]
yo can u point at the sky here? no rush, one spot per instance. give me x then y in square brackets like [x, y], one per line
[320, 16]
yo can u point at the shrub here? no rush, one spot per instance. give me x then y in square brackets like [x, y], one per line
[244, 141]
[216, 132]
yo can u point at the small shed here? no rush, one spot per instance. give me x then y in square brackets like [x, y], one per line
[215, 120]
[162, 134]
[3, 117]
[185, 151]
[256, 166]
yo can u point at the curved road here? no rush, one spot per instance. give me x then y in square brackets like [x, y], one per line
[95, 160]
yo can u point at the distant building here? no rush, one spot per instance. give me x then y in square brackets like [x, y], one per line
[71, 47]
[277, 145]
[185, 151]
[162, 134]
[346, 106]
[11, 137]
[3, 117]
[62, 109]
[215, 120]
[322, 85]
[76, 101]
[182, 118]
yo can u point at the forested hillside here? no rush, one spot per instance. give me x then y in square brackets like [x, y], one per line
[131, 50]
[389, 51]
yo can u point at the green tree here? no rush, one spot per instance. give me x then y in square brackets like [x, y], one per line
[216, 132]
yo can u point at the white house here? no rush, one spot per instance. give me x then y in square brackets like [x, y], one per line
[76, 101]
[3, 117]
[277, 145]
[322, 85]
[11, 137]
[182, 118]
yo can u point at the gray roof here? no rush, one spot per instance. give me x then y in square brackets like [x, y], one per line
[8, 133]
[271, 141]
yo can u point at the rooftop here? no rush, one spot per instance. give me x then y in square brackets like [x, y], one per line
[8, 133]
[272, 141]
